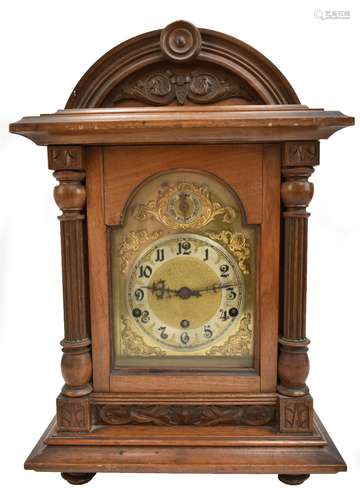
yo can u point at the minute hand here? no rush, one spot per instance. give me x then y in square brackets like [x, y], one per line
[213, 288]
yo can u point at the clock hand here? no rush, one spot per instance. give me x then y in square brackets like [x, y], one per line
[183, 292]
[213, 288]
[160, 291]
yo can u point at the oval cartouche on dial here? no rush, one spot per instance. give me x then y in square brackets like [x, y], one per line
[185, 291]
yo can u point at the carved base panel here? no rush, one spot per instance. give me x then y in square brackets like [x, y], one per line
[193, 415]
[260, 451]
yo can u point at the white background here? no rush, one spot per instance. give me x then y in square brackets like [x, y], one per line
[46, 46]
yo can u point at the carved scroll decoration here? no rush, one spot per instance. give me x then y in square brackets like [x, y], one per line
[165, 415]
[238, 344]
[163, 87]
[184, 205]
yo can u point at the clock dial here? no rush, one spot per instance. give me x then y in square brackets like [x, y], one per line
[185, 292]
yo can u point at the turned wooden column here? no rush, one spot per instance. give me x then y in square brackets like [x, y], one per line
[76, 364]
[295, 403]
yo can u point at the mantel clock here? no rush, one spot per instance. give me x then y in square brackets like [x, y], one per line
[183, 159]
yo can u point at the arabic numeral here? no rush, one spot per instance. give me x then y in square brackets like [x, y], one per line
[160, 255]
[145, 271]
[224, 271]
[184, 337]
[184, 248]
[163, 333]
[139, 294]
[208, 333]
[230, 293]
[206, 256]
[145, 317]
[224, 314]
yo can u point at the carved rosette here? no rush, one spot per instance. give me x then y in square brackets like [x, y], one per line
[180, 41]
[168, 415]
[70, 196]
[298, 159]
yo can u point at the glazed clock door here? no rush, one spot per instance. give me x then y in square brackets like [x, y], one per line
[185, 228]
[183, 271]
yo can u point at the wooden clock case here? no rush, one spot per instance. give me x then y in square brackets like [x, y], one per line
[177, 98]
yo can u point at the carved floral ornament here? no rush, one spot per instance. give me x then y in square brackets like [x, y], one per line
[199, 87]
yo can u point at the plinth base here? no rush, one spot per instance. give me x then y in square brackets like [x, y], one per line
[188, 449]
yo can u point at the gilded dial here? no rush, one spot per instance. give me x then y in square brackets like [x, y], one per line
[185, 291]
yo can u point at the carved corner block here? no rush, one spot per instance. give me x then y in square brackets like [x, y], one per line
[73, 415]
[65, 158]
[296, 414]
[300, 153]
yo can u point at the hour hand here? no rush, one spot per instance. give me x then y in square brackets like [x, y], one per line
[159, 289]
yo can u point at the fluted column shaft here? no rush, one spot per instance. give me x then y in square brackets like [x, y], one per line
[76, 364]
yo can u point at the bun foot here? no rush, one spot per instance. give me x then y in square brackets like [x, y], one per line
[293, 479]
[78, 477]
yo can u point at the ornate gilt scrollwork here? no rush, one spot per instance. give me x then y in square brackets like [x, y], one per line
[131, 243]
[133, 344]
[184, 205]
[237, 244]
[238, 344]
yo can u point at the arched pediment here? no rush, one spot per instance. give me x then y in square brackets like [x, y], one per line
[181, 65]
